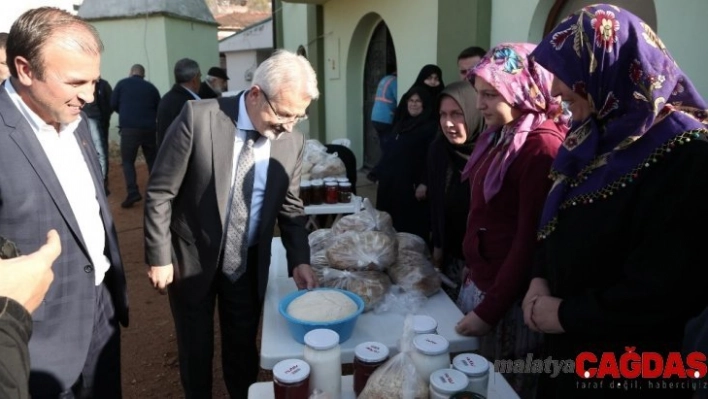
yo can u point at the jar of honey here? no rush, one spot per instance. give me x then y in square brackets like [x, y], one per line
[331, 192]
[291, 379]
[345, 192]
[317, 195]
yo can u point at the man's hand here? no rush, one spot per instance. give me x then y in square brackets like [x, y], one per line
[537, 288]
[472, 325]
[421, 192]
[26, 279]
[304, 277]
[160, 277]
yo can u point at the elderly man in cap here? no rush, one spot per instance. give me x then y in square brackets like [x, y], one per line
[215, 83]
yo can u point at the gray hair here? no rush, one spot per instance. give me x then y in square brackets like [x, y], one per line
[33, 29]
[285, 69]
[185, 70]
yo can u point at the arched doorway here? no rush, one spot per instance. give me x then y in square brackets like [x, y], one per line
[380, 60]
[644, 9]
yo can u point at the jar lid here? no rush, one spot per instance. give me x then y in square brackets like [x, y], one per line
[305, 183]
[326, 179]
[345, 184]
[431, 344]
[331, 183]
[423, 324]
[471, 364]
[448, 381]
[371, 351]
[316, 182]
[467, 395]
[342, 179]
[290, 371]
[321, 339]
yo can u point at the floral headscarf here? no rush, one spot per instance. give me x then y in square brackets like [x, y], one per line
[526, 86]
[616, 61]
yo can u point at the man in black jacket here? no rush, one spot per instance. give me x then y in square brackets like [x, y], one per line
[187, 79]
[99, 117]
[214, 84]
[24, 281]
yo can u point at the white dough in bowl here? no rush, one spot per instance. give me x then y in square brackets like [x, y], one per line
[321, 305]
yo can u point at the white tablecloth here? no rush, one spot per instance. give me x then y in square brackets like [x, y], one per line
[498, 389]
[277, 344]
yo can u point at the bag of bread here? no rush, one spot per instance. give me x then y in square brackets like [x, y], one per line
[398, 378]
[319, 240]
[368, 219]
[414, 272]
[330, 166]
[319, 259]
[371, 286]
[314, 153]
[369, 250]
[412, 242]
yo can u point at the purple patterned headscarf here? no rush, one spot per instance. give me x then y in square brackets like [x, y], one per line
[526, 86]
[642, 102]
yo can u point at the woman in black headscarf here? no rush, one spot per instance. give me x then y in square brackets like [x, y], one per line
[402, 166]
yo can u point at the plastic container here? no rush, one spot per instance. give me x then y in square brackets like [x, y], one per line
[324, 356]
[423, 324]
[291, 379]
[476, 368]
[298, 328]
[368, 356]
[431, 353]
[305, 192]
[446, 382]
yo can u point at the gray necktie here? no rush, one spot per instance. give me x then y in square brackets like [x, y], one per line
[236, 244]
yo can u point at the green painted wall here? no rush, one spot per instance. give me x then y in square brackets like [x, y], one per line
[193, 40]
[462, 23]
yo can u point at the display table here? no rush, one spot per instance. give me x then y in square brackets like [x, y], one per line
[277, 344]
[498, 388]
[331, 209]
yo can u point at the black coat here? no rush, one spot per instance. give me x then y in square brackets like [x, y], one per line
[170, 106]
[206, 92]
[15, 331]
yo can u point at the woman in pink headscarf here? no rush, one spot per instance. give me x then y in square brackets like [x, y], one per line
[508, 175]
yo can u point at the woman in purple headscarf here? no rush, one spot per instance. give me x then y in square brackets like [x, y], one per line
[508, 177]
[622, 265]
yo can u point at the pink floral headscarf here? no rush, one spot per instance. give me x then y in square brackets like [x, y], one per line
[526, 86]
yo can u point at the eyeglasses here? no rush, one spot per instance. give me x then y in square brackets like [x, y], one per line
[283, 120]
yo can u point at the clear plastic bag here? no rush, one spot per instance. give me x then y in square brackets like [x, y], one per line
[414, 272]
[412, 242]
[371, 286]
[398, 300]
[319, 240]
[329, 166]
[398, 378]
[368, 219]
[315, 152]
[369, 250]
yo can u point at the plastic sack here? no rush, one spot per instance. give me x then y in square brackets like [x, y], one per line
[368, 219]
[319, 259]
[318, 394]
[397, 378]
[370, 250]
[315, 152]
[371, 286]
[414, 272]
[412, 242]
[319, 240]
[397, 300]
[330, 166]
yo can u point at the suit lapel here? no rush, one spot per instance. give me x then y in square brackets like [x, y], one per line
[27, 141]
[223, 128]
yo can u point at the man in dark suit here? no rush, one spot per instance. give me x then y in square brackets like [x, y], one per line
[50, 178]
[187, 78]
[214, 84]
[194, 217]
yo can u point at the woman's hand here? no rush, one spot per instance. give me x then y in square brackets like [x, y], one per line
[537, 288]
[472, 325]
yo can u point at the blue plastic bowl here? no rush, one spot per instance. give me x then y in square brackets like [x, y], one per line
[298, 328]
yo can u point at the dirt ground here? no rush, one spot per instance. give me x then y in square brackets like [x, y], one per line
[149, 347]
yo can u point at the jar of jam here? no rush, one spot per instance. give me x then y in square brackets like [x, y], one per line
[317, 194]
[341, 180]
[331, 192]
[291, 379]
[329, 179]
[305, 192]
[368, 356]
[345, 192]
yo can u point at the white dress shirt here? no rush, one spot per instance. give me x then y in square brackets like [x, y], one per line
[261, 154]
[67, 161]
